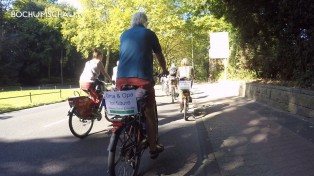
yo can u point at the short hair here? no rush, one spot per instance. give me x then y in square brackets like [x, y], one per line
[139, 18]
[96, 53]
[185, 62]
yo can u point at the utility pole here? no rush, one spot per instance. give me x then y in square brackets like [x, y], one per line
[192, 51]
[61, 67]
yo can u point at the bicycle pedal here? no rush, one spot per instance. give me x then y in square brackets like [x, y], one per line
[143, 144]
[97, 115]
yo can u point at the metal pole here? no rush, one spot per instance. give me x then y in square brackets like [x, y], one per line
[225, 68]
[192, 52]
[61, 67]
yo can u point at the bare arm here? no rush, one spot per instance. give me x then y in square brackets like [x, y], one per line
[178, 73]
[102, 70]
[162, 62]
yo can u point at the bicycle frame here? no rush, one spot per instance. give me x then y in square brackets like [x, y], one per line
[128, 140]
[135, 122]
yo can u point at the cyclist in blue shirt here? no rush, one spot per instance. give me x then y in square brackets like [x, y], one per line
[137, 45]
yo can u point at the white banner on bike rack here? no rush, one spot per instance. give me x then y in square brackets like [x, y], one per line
[185, 85]
[121, 102]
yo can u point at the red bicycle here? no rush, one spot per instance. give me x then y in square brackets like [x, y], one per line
[83, 111]
[129, 138]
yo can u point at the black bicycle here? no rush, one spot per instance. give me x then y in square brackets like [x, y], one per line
[129, 139]
[185, 86]
[173, 84]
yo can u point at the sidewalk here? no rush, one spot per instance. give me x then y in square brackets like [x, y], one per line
[250, 139]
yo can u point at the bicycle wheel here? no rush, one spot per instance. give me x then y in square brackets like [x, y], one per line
[124, 153]
[173, 94]
[156, 112]
[79, 127]
[167, 89]
[185, 109]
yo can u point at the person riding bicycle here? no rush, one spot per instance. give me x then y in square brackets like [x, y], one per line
[172, 77]
[185, 72]
[137, 45]
[114, 74]
[89, 77]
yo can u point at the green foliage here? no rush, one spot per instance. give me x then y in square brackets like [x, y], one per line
[36, 46]
[31, 47]
[273, 39]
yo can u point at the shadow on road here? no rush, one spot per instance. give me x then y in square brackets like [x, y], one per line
[55, 156]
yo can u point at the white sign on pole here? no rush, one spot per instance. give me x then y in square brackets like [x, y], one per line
[121, 102]
[219, 45]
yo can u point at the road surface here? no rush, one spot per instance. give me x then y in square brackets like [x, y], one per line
[225, 135]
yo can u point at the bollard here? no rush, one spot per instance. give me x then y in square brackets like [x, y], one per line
[30, 97]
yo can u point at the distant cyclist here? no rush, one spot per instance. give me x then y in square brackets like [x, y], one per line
[114, 73]
[185, 72]
[173, 70]
[172, 77]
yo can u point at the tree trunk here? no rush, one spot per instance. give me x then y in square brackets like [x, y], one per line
[107, 61]
[49, 68]
[61, 66]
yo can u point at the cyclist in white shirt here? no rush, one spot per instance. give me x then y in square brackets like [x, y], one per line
[185, 72]
[90, 74]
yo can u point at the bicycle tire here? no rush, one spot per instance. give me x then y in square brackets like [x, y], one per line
[124, 155]
[106, 115]
[156, 112]
[167, 89]
[79, 127]
[185, 109]
[173, 94]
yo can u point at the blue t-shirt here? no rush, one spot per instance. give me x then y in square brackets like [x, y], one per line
[137, 45]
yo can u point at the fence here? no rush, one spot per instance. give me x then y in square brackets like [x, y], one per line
[30, 95]
[16, 88]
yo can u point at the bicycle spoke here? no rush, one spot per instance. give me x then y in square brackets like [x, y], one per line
[126, 157]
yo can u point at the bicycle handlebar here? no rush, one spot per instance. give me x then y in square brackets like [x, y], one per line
[159, 75]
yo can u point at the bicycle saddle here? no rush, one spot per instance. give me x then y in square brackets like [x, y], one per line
[129, 87]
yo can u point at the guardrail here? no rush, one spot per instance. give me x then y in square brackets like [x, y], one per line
[30, 95]
[17, 88]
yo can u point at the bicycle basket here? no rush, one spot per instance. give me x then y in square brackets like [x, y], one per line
[185, 85]
[83, 106]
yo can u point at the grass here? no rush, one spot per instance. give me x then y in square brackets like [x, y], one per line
[33, 98]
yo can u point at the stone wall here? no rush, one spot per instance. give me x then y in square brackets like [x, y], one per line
[296, 101]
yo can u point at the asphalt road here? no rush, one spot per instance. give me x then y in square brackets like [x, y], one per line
[38, 141]
[226, 135]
